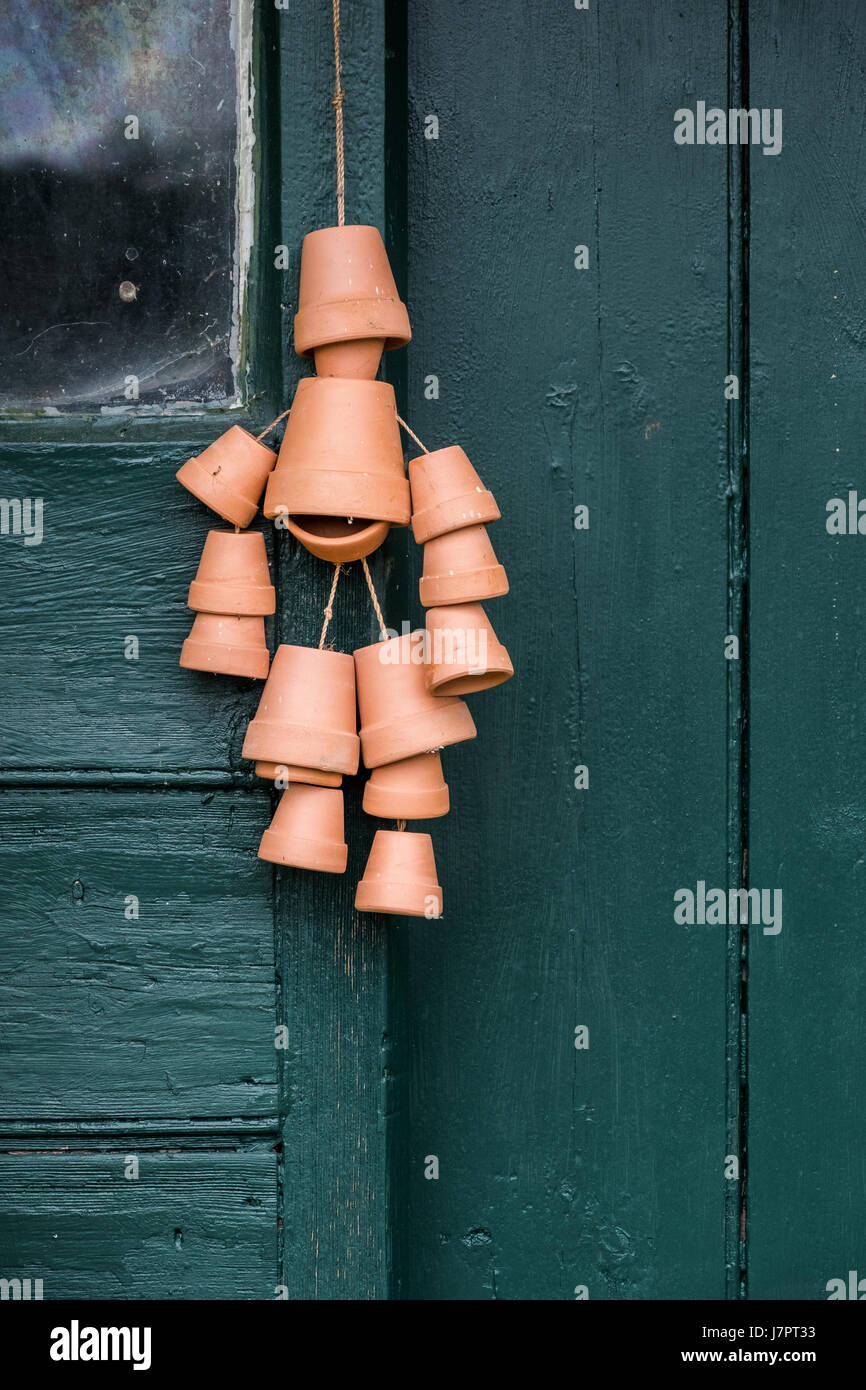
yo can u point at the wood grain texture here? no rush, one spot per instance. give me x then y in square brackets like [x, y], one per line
[333, 964]
[194, 1225]
[807, 1132]
[121, 543]
[106, 1017]
[602, 387]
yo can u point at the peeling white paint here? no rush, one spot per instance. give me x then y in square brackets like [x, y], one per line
[242, 47]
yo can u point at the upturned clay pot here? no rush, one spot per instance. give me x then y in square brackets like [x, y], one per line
[233, 575]
[289, 773]
[229, 475]
[230, 646]
[339, 539]
[359, 359]
[341, 457]
[400, 877]
[413, 789]
[463, 652]
[447, 494]
[349, 310]
[307, 831]
[461, 567]
[399, 716]
[306, 716]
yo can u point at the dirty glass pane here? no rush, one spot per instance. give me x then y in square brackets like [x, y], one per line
[119, 175]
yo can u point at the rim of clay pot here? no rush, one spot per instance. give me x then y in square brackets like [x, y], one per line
[469, 587]
[470, 684]
[398, 899]
[234, 498]
[295, 852]
[307, 776]
[337, 539]
[267, 741]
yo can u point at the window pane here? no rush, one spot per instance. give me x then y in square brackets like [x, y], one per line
[119, 172]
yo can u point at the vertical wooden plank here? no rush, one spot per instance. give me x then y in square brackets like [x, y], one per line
[563, 1169]
[807, 1131]
[334, 964]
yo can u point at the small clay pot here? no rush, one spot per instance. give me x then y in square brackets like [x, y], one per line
[359, 359]
[312, 776]
[400, 877]
[461, 567]
[306, 716]
[338, 538]
[307, 831]
[464, 654]
[229, 476]
[399, 716]
[447, 494]
[413, 789]
[233, 575]
[341, 456]
[347, 300]
[227, 645]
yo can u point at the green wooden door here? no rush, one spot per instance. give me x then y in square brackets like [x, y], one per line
[652, 352]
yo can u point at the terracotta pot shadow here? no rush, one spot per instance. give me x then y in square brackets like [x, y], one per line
[413, 789]
[307, 831]
[233, 575]
[229, 475]
[447, 494]
[399, 716]
[400, 877]
[347, 296]
[464, 654]
[461, 567]
[290, 774]
[306, 716]
[341, 458]
[227, 645]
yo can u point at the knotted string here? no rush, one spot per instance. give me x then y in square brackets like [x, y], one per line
[272, 424]
[421, 446]
[383, 631]
[329, 606]
[337, 103]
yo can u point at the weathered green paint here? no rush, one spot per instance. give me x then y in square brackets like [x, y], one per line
[195, 1225]
[602, 387]
[807, 1131]
[558, 1167]
[137, 956]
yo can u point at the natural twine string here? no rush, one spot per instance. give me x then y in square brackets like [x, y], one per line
[413, 435]
[383, 631]
[329, 606]
[272, 424]
[337, 103]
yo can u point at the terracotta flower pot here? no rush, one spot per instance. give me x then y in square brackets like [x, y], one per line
[461, 567]
[447, 494]
[341, 457]
[463, 652]
[400, 877]
[306, 716]
[348, 306]
[229, 475]
[338, 538]
[413, 789]
[359, 359]
[399, 716]
[233, 575]
[289, 774]
[307, 831]
[231, 646]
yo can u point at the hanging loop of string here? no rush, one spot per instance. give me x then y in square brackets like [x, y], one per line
[329, 606]
[272, 425]
[383, 631]
[413, 435]
[337, 103]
